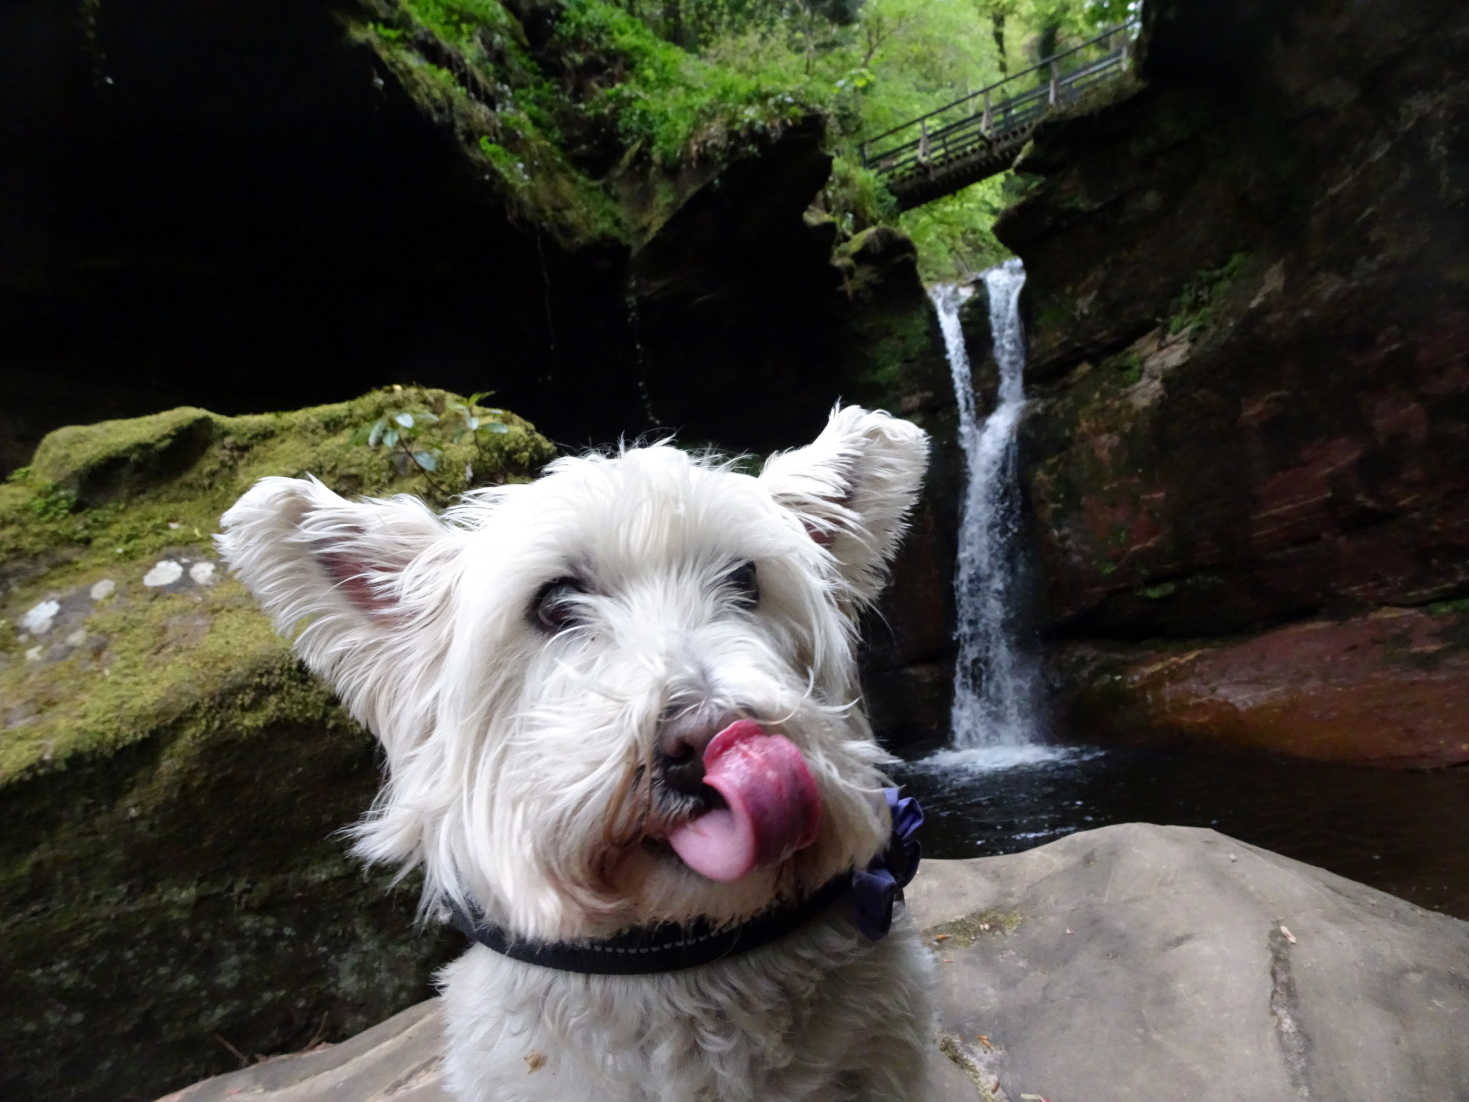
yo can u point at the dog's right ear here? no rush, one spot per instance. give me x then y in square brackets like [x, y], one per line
[344, 569]
[852, 489]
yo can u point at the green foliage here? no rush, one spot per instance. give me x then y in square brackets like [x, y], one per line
[53, 502]
[955, 234]
[418, 435]
[657, 84]
[1128, 365]
[468, 65]
[1194, 306]
[460, 21]
[674, 105]
[1449, 608]
[892, 61]
[857, 195]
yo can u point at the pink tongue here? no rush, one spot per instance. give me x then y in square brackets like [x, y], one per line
[774, 808]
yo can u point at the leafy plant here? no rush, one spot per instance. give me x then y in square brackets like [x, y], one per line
[53, 503]
[1194, 306]
[417, 435]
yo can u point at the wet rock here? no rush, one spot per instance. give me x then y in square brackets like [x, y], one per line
[893, 358]
[1387, 689]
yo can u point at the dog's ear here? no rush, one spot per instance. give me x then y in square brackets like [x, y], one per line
[342, 567]
[852, 488]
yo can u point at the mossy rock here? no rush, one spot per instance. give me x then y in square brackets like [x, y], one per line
[172, 886]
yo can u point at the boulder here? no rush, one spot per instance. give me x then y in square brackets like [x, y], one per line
[1142, 961]
[171, 873]
[1135, 961]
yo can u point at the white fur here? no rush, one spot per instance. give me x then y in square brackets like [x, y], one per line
[520, 763]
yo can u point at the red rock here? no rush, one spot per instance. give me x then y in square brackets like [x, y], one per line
[1390, 688]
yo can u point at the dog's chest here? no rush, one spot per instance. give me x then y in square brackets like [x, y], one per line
[811, 1017]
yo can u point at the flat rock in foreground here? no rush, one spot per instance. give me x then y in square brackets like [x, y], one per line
[1130, 962]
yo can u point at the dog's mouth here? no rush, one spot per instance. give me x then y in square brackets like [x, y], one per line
[762, 805]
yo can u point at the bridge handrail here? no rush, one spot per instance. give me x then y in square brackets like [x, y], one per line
[1045, 63]
[1004, 117]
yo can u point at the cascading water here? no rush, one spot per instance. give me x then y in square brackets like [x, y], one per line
[995, 697]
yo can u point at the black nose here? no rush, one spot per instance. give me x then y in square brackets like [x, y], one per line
[683, 769]
[680, 753]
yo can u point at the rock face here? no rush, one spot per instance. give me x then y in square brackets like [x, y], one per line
[1130, 962]
[1250, 382]
[171, 873]
[895, 360]
[1389, 688]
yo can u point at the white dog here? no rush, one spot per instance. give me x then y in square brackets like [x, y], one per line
[624, 743]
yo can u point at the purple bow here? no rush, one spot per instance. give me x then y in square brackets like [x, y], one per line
[877, 887]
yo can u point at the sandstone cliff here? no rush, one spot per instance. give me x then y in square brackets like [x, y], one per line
[1245, 457]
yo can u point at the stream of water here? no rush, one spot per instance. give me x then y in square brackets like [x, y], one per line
[994, 718]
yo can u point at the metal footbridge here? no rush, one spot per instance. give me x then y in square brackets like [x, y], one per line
[979, 135]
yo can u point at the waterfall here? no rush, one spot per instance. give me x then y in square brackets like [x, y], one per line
[995, 682]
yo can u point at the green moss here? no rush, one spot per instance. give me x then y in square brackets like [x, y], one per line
[1158, 592]
[162, 656]
[884, 367]
[1052, 316]
[467, 65]
[669, 102]
[187, 851]
[1449, 608]
[859, 194]
[963, 932]
[1128, 366]
[1194, 308]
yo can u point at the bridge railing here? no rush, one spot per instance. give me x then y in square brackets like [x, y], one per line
[1000, 109]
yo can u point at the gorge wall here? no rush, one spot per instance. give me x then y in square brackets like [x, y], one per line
[1245, 454]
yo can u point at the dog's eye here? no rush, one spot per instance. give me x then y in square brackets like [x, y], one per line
[744, 585]
[554, 607]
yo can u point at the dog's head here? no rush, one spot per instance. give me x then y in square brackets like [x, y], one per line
[591, 686]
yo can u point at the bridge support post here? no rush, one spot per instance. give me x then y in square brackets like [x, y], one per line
[987, 124]
[1053, 84]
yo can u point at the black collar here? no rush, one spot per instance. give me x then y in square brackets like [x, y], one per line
[666, 947]
[672, 946]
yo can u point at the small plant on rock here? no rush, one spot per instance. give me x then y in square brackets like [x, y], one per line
[417, 436]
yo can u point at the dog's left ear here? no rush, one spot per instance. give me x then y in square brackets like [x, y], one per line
[853, 488]
[346, 569]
